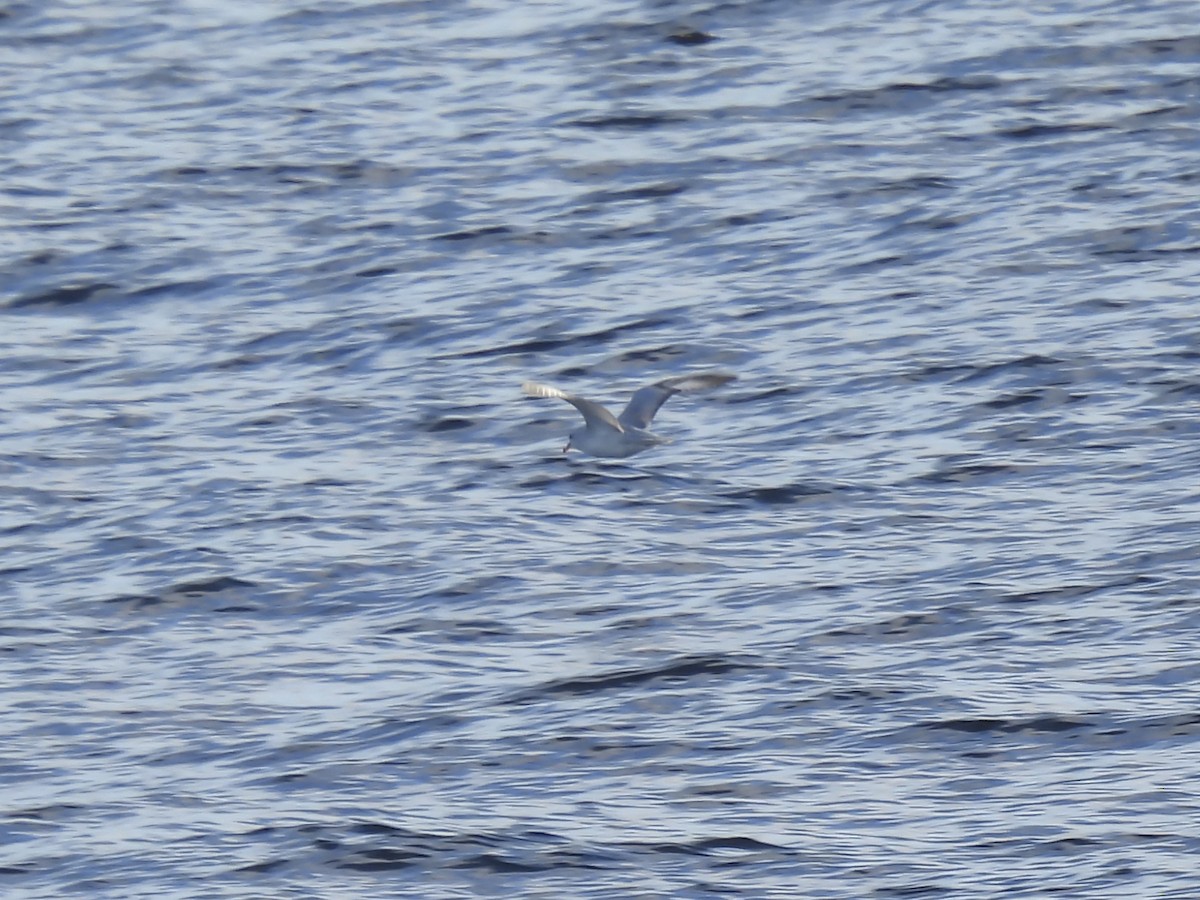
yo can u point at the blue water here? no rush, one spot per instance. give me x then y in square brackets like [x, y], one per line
[300, 598]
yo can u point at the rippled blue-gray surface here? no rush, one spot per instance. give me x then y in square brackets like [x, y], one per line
[300, 598]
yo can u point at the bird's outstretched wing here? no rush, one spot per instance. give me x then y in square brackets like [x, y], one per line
[646, 401]
[593, 413]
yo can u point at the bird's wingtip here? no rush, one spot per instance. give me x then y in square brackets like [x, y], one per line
[537, 389]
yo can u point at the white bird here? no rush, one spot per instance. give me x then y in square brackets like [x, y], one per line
[617, 437]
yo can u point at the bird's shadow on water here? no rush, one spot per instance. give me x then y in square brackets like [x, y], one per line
[591, 472]
[624, 476]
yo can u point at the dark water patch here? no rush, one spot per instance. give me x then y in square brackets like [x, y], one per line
[940, 372]
[628, 233]
[968, 726]
[382, 859]
[1056, 58]
[67, 295]
[540, 482]
[408, 330]
[446, 423]
[915, 890]
[741, 220]
[1155, 729]
[542, 345]
[645, 192]
[209, 586]
[919, 184]
[665, 353]
[1164, 111]
[498, 865]
[1010, 400]
[1047, 724]
[874, 264]
[262, 867]
[982, 371]
[378, 272]
[181, 288]
[706, 846]
[682, 669]
[1148, 254]
[468, 630]
[556, 859]
[765, 394]
[375, 847]
[290, 173]
[135, 601]
[1072, 843]
[1138, 242]
[284, 339]
[926, 223]
[1051, 129]
[44, 257]
[1098, 732]
[271, 421]
[690, 37]
[342, 352]
[626, 122]
[619, 475]
[785, 494]
[312, 411]
[473, 587]
[189, 590]
[1180, 388]
[383, 828]
[909, 625]
[891, 96]
[968, 472]
[22, 631]
[240, 362]
[51, 813]
[1074, 591]
[859, 696]
[471, 234]
[396, 730]
[1102, 303]
[1186, 47]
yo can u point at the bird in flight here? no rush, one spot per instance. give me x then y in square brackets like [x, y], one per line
[620, 436]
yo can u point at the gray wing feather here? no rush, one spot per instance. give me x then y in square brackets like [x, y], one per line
[593, 413]
[648, 400]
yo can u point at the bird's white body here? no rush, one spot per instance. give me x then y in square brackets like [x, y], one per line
[613, 444]
[616, 437]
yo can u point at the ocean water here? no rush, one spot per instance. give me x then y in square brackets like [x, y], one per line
[301, 598]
